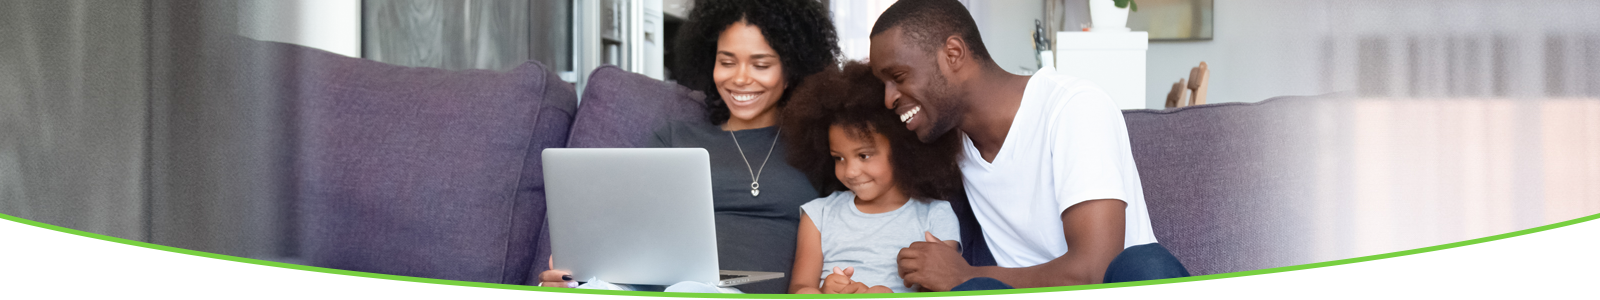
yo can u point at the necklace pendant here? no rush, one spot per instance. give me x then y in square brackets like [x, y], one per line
[755, 174]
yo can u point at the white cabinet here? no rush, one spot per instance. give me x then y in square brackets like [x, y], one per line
[1112, 60]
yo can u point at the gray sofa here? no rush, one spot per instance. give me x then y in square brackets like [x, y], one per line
[419, 171]
[1228, 184]
[432, 173]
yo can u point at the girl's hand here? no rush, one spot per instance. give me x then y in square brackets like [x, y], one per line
[878, 289]
[839, 282]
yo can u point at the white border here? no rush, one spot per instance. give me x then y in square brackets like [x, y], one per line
[42, 263]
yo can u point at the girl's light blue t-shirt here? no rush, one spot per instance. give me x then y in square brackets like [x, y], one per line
[871, 242]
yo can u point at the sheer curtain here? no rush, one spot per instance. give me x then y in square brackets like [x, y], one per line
[456, 35]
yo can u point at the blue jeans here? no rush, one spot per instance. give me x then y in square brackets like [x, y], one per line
[1143, 262]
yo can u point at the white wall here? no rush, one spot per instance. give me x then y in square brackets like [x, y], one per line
[853, 22]
[331, 25]
[1005, 25]
[1261, 49]
[1007, 29]
[1266, 48]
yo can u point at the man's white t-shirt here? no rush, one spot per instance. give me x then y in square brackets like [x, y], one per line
[1067, 144]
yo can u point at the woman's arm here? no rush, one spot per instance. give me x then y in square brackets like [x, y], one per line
[807, 259]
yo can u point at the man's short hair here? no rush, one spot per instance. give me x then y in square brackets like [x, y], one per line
[926, 24]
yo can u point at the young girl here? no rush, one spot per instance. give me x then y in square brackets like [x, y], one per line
[882, 180]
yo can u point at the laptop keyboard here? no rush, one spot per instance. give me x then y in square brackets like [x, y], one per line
[732, 276]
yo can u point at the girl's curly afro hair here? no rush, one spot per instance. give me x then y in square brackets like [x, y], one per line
[853, 98]
[799, 30]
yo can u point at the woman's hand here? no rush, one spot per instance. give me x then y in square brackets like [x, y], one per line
[556, 278]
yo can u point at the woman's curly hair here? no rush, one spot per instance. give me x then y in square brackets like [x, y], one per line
[853, 98]
[799, 30]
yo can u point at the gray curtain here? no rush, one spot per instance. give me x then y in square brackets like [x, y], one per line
[219, 150]
[118, 118]
[73, 102]
[138, 120]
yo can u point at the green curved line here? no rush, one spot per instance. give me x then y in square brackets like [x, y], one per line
[785, 296]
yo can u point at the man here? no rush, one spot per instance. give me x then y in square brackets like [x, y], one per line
[1047, 165]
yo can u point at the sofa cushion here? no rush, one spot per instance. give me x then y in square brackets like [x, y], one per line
[554, 122]
[621, 109]
[420, 171]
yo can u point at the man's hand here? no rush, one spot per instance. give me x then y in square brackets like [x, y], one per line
[934, 264]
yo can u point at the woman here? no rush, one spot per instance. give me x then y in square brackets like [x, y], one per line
[746, 56]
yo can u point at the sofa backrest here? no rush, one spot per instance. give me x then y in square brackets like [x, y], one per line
[1225, 183]
[621, 109]
[1297, 180]
[420, 171]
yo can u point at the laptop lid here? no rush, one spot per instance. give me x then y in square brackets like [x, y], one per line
[634, 216]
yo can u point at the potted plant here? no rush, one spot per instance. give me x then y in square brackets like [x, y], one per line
[1110, 15]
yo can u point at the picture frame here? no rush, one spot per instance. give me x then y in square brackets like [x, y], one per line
[1175, 20]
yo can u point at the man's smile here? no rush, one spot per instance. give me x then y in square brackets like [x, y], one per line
[909, 114]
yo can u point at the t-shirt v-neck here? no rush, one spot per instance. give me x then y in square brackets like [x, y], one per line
[971, 149]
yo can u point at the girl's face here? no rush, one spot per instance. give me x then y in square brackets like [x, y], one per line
[748, 76]
[862, 164]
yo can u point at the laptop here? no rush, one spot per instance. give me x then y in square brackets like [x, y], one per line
[635, 216]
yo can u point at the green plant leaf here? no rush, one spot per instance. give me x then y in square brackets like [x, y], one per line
[1126, 4]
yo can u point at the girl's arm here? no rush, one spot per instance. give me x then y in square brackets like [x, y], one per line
[807, 259]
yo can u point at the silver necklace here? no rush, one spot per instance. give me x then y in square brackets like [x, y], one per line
[755, 174]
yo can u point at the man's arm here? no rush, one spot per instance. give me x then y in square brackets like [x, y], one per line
[1094, 234]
